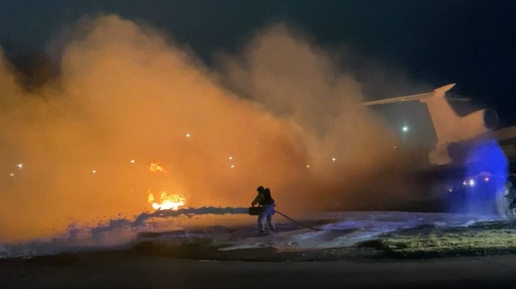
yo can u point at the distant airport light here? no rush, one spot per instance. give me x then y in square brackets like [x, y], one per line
[187, 135]
[232, 166]
[131, 161]
[307, 166]
[94, 171]
[405, 128]
[20, 166]
[230, 158]
[471, 183]
[333, 159]
[11, 175]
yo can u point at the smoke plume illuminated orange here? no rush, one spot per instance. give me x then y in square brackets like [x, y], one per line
[290, 119]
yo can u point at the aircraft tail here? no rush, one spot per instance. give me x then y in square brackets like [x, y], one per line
[442, 115]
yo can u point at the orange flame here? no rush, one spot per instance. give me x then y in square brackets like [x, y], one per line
[156, 168]
[167, 201]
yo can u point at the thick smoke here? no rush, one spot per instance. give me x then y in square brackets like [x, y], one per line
[280, 114]
[350, 150]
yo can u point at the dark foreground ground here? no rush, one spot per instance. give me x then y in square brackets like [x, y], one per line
[137, 270]
[479, 256]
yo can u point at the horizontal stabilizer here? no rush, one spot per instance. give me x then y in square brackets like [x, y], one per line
[399, 99]
[423, 97]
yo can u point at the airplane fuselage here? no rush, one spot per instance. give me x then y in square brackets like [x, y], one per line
[470, 158]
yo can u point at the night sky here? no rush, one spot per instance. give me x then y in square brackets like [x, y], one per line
[436, 42]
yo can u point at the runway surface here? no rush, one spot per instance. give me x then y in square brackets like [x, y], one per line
[325, 250]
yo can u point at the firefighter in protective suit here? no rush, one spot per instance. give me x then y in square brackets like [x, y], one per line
[266, 202]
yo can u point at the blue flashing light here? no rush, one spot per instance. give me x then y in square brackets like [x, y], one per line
[485, 157]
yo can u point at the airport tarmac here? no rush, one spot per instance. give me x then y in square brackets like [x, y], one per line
[352, 249]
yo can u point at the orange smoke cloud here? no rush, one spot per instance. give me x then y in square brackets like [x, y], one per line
[285, 118]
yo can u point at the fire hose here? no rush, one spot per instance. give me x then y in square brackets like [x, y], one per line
[294, 221]
[254, 211]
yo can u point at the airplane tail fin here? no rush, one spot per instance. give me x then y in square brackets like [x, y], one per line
[442, 115]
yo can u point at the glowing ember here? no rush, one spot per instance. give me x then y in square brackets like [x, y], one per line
[167, 201]
[156, 168]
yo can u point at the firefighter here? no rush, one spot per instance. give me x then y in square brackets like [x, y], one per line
[266, 202]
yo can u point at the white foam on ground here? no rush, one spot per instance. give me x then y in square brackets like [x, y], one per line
[354, 227]
[347, 229]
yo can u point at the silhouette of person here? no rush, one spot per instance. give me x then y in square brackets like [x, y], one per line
[266, 202]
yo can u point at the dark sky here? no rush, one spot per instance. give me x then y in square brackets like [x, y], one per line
[471, 43]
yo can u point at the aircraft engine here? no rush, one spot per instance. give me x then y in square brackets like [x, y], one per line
[455, 152]
[490, 118]
[472, 126]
